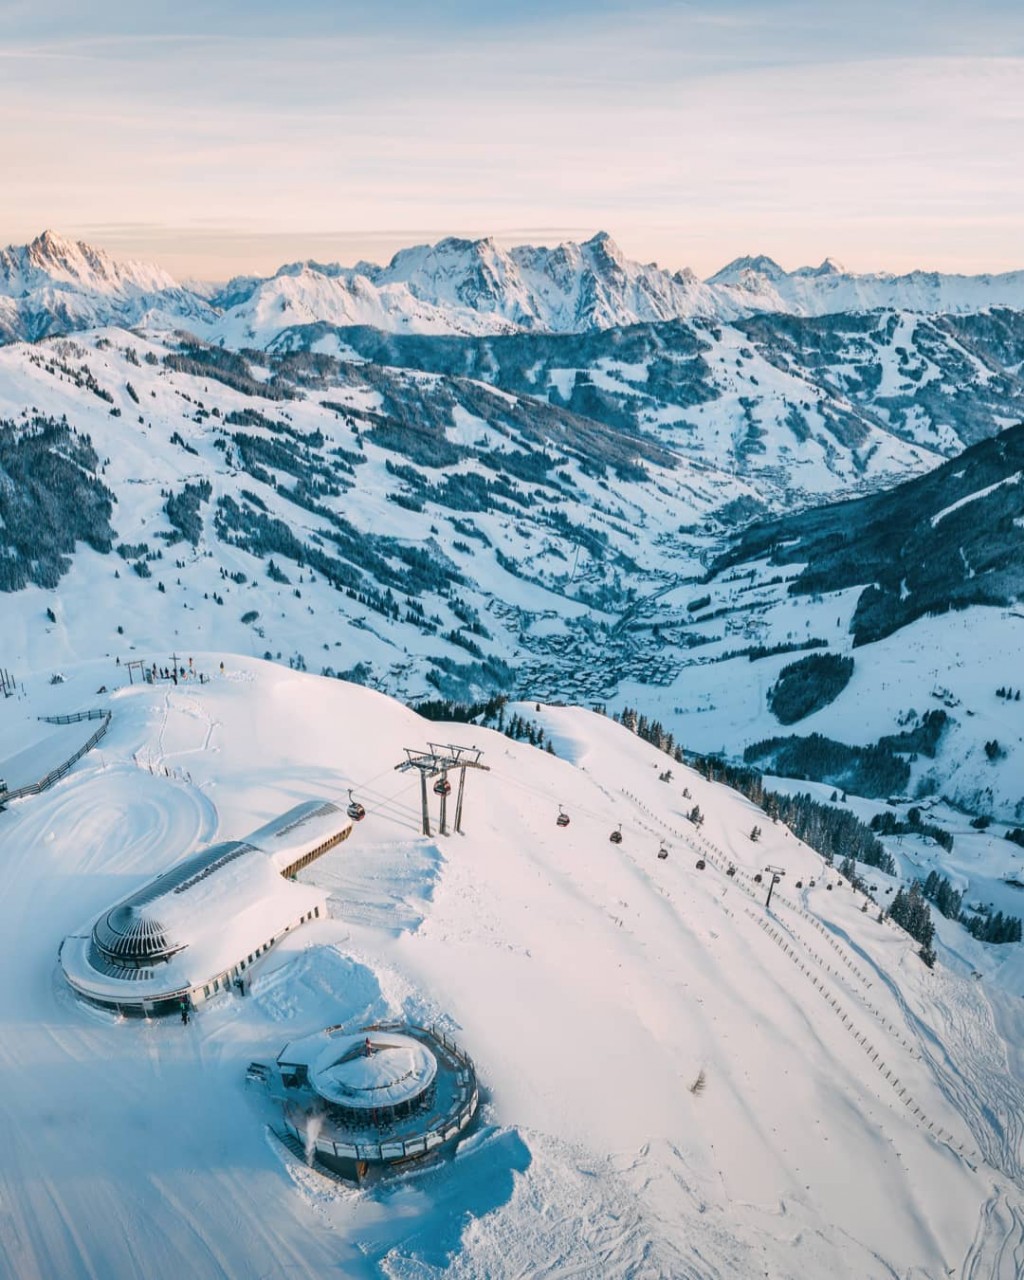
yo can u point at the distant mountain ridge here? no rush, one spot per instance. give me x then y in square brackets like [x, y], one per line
[56, 286]
[463, 287]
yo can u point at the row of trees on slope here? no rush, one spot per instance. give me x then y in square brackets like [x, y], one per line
[837, 833]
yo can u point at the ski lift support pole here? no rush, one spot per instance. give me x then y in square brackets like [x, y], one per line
[461, 758]
[437, 761]
[776, 874]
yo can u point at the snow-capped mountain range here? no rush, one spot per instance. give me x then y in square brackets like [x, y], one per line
[469, 287]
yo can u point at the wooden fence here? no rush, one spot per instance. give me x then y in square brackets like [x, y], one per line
[34, 788]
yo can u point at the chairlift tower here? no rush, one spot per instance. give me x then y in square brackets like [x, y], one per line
[776, 874]
[436, 762]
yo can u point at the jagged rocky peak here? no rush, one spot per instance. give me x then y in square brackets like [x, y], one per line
[452, 252]
[53, 259]
[830, 267]
[749, 265]
[602, 244]
[687, 277]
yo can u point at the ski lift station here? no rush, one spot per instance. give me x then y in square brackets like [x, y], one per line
[382, 1095]
[199, 926]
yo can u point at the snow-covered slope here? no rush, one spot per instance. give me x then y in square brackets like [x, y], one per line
[400, 523]
[433, 535]
[680, 1084]
[919, 588]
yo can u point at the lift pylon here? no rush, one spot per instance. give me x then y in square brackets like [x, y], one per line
[436, 762]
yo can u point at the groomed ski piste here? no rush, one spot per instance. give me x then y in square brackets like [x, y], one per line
[675, 1081]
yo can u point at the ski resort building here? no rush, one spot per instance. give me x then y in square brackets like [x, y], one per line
[197, 928]
[382, 1095]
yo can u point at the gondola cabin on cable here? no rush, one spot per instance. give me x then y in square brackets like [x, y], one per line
[616, 835]
[701, 864]
[663, 853]
[355, 810]
[563, 818]
[442, 787]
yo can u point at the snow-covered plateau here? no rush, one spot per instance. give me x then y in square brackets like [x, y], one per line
[678, 1081]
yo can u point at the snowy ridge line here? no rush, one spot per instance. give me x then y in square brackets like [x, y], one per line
[943, 1135]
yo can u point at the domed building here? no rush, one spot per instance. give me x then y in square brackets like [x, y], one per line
[382, 1095]
[196, 929]
[378, 1079]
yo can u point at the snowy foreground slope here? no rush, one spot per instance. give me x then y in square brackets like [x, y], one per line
[859, 1116]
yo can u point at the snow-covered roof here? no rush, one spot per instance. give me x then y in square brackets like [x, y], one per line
[207, 913]
[372, 1070]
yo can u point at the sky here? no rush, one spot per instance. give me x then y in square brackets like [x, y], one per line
[229, 138]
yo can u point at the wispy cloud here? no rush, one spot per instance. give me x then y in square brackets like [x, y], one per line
[230, 133]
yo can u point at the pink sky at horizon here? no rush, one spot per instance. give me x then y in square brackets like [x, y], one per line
[693, 137]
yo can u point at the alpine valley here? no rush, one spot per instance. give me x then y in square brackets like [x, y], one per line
[771, 522]
[547, 472]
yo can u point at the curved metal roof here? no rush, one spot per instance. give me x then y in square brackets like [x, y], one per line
[129, 933]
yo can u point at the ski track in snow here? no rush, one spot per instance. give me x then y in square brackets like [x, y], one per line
[990, 1100]
[998, 1248]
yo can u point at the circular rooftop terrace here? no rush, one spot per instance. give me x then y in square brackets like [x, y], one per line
[373, 1071]
[378, 1096]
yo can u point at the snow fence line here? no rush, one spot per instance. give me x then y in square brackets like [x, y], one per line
[708, 850]
[717, 857]
[34, 788]
[943, 1135]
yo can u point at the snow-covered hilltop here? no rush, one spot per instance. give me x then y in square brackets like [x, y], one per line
[678, 1082]
[468, 287]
